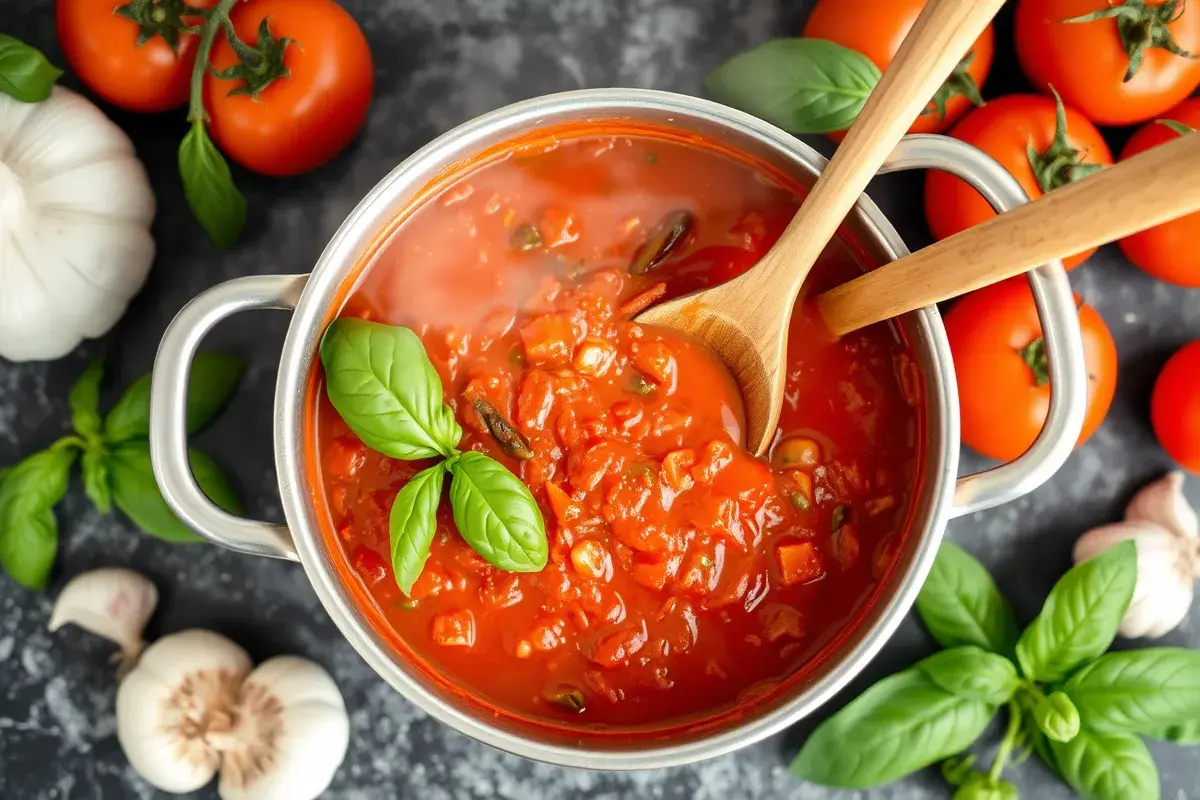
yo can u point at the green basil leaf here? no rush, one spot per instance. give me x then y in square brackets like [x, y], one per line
[1138, 690]
[136, 492]
[85, 401]
[978, 786]
[972, 673]
[1056, 716]
[901, 724]
[496, 514]
[413, 524]
[801, 85]
[28, 530]
[383, 385]
[25, 73]
[211, 380]
[1080, 618]
[960, 604]
[1186, 733]
[96, 483]
[209, 188]
[1104, 766]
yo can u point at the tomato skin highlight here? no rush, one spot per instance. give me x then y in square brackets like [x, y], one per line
[303, 119]
[1003, 408]
[1167, 251]
[1175, 407]
[1086, 63]
[1004, 129]
[876, 28]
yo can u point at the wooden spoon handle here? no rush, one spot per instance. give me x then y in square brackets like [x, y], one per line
[938, 40]
[1151, 188]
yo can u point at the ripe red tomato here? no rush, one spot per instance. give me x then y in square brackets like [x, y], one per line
[1000, 363]
[1005, 129]
[1175, 407]
[876, 28]
[102, 47]
[1087, 62]
[307, 116]
[1168, 251]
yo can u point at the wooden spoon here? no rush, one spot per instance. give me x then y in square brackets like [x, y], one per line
[745, 321]
[1151, 188]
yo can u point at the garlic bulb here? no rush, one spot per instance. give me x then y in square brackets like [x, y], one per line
[112, 603]
[1164, 528]
[75, 212]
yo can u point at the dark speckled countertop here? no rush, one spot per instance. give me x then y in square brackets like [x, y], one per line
[439, 63]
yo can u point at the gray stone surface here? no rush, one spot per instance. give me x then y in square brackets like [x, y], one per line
[439, 63]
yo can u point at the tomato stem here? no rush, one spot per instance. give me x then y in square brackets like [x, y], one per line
[1059, 164]
[245, 52]
[960, 82]
[1142, 27]
[208, 34]
[157, 18]
[1034, 356]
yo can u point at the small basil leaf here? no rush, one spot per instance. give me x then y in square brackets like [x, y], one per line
[1138, 691]
[496, 514]
[957, 770]
[85, 401]
[95, 480]
[1186, 733]
[1080, 618]
[25, 73]
[960, 604]
[972, 673]
[209, 188]
[1107, 766]
[211, 381]
[801, 85]
[1056, 716]
[383, 385]
[28, 530]
[978, 786]
[136, 492]
[901, 724]
[413, 524]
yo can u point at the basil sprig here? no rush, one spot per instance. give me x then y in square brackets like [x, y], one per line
[25, 73]
[380, 380]
[1082, 711]
[115, 460]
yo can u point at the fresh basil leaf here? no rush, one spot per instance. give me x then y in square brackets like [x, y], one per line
[496, 514]
[972, 673]
[801, 85]
[413, 524]
[1056, 716]
[28, 530]
[25, 72]
[136, 492]
[1138, 690]
[1104, 766]
[978, 786]
[96, 481]
[211, 380]
[960, 604]
[1186, 733]
[209, 188]
[383, 385]
[1080, 618]
[85, 401]
[957, 770]
[901, 724]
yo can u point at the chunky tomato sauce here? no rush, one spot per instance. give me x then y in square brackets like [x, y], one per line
[685, 575]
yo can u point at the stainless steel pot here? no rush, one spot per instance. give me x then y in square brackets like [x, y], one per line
[940, 496]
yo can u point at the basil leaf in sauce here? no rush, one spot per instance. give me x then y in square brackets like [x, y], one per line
[383, 385]
[211, 381]
[28, 529]
[496, 514]
[961, 605]
[1138, 691]
[1106, 767]
[1080, 618]
[209, 188]
[972, 673]
[801, 85]
[25, 72]
[85, 401]
[413, 524]
[901, 724]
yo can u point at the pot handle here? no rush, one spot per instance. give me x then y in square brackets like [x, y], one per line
[1057, 314]
[168, 412]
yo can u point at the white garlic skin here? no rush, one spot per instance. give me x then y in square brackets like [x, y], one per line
[112, 603]
[1162, 502]
[180, 693]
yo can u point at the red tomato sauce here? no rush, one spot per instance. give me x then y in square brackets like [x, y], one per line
[686, 577]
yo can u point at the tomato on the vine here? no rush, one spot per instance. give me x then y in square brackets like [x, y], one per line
[135, 55]
[1118, 63]
[1168, 251]
[1000, 363]
[1175, 407]
[305, 96]
[1042, 143]
[876, 29]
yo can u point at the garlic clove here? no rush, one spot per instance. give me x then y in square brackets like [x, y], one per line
[112, 603]
[293, 735]
[176, 703]
[1162, 502]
